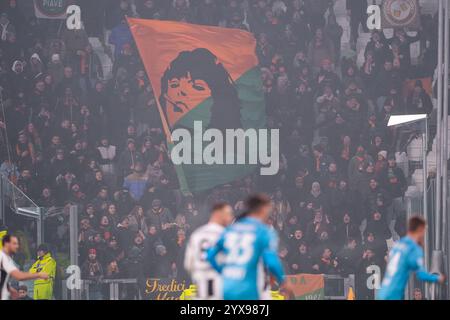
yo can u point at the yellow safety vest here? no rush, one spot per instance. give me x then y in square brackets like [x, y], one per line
[2, 234]
[190, 292]
[43, 289]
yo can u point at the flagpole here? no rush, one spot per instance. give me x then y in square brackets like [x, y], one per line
[163, 118]
[439, 141]
[165, 124]
[439, 138]
[178, 168]
[160, 110]
[445, 138]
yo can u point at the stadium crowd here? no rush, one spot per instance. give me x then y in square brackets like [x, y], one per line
[70, 136]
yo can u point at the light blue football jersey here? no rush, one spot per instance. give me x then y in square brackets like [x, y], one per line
[249, 247]
[406, 256]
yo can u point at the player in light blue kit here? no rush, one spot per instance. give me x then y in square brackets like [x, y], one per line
[248, 247]
[404, 257]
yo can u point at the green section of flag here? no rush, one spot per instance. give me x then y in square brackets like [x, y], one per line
[196, 178]
[180, 173]
[251, 95]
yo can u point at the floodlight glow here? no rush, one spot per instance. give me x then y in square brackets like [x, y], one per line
[402, 119]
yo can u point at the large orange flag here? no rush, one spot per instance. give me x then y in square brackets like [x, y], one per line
[202, 73]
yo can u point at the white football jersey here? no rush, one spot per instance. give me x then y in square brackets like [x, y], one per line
[6, 267]
[206, 279]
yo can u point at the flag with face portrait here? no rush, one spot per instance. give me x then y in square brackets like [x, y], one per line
[207, 74]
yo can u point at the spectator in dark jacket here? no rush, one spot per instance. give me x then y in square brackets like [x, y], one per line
[346, 230]
[349, 257]
[357, 10]
[301, 261]
[378, 226]
[160, 216]
[164, 267]
[367, 266]
[92, 270]
[377, 198]
[419, 101]
[396, 185]
[327, 263]
[125, 235]
[128, 158]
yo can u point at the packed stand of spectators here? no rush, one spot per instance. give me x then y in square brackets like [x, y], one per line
[76, 138]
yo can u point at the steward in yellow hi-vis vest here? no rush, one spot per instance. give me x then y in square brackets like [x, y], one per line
[2, 234]
[43, 289]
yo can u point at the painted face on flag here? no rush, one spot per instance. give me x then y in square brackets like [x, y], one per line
[184, 93]
[191, 79]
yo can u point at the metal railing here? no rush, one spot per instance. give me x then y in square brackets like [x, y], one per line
[20, 204]
[12, 196]
[82, 293]
[336, 288]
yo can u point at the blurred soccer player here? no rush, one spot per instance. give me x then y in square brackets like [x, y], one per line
[8, 268]
[404, 257]
[206, 279]
[249, 246]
